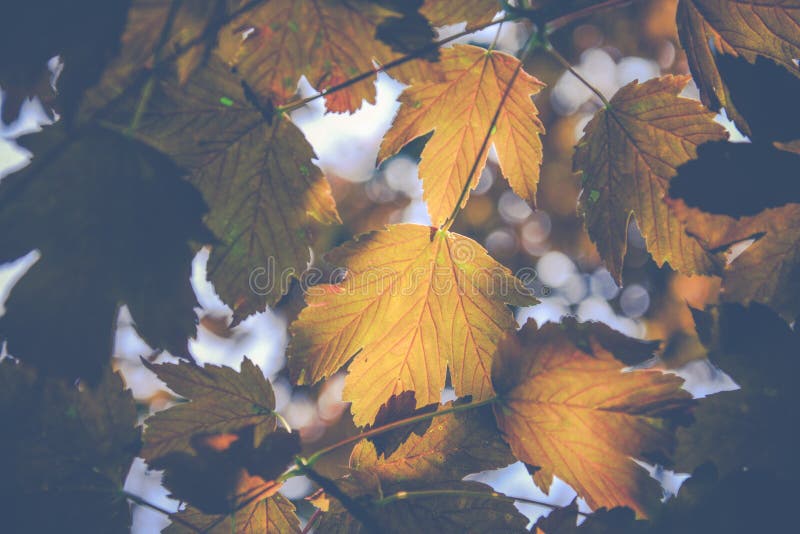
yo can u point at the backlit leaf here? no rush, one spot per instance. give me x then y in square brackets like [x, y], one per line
[220, 400]
[459, 110]
[453, 446]
[403, 285]
[750, 28]
[627, 156]
[572, 412]
[258, 179]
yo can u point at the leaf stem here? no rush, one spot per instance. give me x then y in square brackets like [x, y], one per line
[566, 64]
[390, 65]
[172, 515]
[311, 460]
[404, 495]
[398, 424]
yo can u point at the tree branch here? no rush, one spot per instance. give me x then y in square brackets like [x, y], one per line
[330, 487]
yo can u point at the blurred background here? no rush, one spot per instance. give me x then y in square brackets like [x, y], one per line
[610, 49]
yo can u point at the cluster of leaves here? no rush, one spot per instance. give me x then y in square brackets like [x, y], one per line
[178, 135]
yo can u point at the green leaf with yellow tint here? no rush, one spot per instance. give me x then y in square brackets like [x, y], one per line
[572, 411]
[258, 179]
[403, 284]
[459, 111]
[221, 400]
[627, 155]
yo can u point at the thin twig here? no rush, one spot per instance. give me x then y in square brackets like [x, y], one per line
[390, 65]
[398, 424]
[561, 21]
[330, 487]
[172, 515]
[404, 495]
[566, 64]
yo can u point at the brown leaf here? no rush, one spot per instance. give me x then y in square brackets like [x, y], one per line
[748, 28]
[574, 413]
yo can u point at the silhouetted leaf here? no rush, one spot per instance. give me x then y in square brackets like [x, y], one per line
[398, 407]
[459, 110]
[761, 92]
[113, 222]
[746, 429]
[402, 283]
[409, 31]
[738, 179]
[572, 412]
[603, 521]
[473, 12]
[738, 503]
[84, 34]
[627, 155]
[749, 28]
[225, 472]
[65, 453]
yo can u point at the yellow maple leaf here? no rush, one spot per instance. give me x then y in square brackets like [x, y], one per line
[627, 155]
[459, 110]
[567, 407]
[414, 302]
